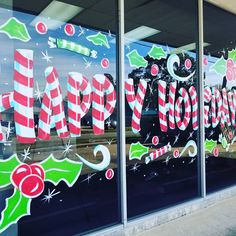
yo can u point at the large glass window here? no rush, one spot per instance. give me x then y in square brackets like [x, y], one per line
[161, 104]
[219, 95]
[58, 157]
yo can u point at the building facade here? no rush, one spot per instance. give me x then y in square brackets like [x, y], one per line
[116, 115]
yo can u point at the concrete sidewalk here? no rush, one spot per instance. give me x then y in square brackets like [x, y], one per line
[216, 220]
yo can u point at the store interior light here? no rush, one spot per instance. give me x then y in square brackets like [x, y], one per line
[187, 47]
[228, 5]
[56, 14]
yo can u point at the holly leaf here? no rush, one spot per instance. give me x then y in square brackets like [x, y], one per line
[210, 145]
[157, 52]
[17, 206]
[6, 168]
[15, 29]
[99, 39]
[232, 55]
[61, 170]
[137, 150]
[219, 66]
[135, 60]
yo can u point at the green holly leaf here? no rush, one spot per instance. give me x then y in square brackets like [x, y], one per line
[6, 168]
[137, 150]
[98, 39]
[17, 206]
[157, 52]
[135, 60]
[219, 66]
[61, 170]
[210, 145]
[15, 29]
[232, 55]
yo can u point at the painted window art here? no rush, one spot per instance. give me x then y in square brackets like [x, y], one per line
[58, 124]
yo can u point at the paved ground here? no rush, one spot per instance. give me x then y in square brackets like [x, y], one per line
[217, 220]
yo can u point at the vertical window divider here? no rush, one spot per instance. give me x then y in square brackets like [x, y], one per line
[200, 91]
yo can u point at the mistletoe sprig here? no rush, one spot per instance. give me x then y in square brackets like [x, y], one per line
[28, 182]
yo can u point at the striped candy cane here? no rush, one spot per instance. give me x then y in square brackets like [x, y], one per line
[207, 99]
[77, 84]
[194, 100]
[52, 102]
[158, 153]
[172, 105]
[232, 106]
[216, 99]
[23, 96]
[225, 114]
[162, 105]
[135, 101]
[102, 86]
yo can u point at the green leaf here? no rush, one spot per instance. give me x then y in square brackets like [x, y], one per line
[98, 39]
[135, 60]
[219, 66]
[137, 150]
[6, 168]
[61, 170]
[210, 145]
[17, 206]
[157, 52]
[15, 29]
[232, 55]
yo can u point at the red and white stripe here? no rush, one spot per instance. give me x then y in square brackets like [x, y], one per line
[182, 124]
[135, 101]
[172, 92]
[158, 153]
[232, 105]
[102, 86]
[162, 105]
[77, 84]
[52, 104]
[194, 100]
[216, 114]
[207, 99]
[23, 96]
[225, 114]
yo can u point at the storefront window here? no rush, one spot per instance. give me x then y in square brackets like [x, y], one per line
[161, 107]
[219, 97]
[58, 149]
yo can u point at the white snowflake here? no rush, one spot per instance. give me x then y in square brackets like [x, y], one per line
[135, 167]
[81, 31]
[88, 177]
[67, 148]
[87, 63]
[46, 56]
[50, 195]
[26, 154]
[38, 94]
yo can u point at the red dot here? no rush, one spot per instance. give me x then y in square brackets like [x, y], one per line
[216, 152]
[205, 61]
[69, 29]
[154, 70]
[188, 64]
[41, 28]
[109, 174]
[176, 153]
[105, 63]
[155, 140]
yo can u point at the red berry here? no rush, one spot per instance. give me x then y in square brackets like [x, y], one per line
[176, 153]
[109, 174]
[69, 29]
[37, 170]
[105, 63]
[19, 173]
[41, 28]
[188, 64]
[31, 186]
[229, 63]
[154, 70]
[216, 152]
[205, 61]
[155, 140]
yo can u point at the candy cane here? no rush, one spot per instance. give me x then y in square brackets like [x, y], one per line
[190, 143]
[232, 105]
[216, 99]
[172, 104]
[71, 46]
[162, 105]
[158, 153]
[225, 114]
[135, 101]
[52, 102]
[23, 96]
[207, 99]
[194, 100]
[77, 84]
[102, 86]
